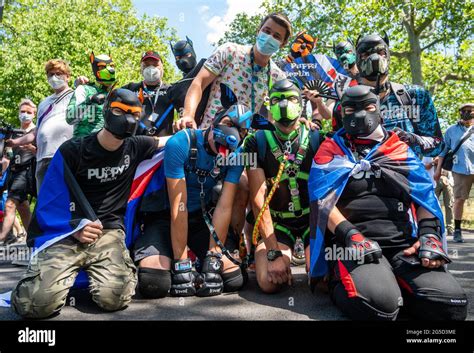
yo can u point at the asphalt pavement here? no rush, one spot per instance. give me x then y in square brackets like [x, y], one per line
[293, 303]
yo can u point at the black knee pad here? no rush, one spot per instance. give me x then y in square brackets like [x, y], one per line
[153, 283]
[432, 294]
[233, 281]
[367, 291]
[358, 308]
[430, 308]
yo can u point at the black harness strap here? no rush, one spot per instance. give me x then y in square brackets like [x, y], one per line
[202, 174]
[211, 228]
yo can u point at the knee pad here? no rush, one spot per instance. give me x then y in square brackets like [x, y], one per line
[433, 294]
[435, 309]
[233, 281]
[153, 283]
[366, 292]
[357, 308]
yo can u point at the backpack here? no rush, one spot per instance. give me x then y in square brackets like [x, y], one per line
[401, 93]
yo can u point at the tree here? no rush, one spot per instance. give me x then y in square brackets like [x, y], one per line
[431, 41]
[34, 31]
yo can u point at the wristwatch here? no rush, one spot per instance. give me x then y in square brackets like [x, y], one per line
[272, 255]
[182, 265]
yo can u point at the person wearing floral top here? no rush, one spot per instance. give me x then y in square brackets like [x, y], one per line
[247, 70]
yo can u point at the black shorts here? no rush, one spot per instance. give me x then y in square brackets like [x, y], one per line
[156, 236]
[298, 228]
[19, 185]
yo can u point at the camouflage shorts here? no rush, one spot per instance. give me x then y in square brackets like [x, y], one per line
[43, 289]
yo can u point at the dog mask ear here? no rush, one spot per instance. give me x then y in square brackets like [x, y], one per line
[259, 122]
[228, 98]
[385, 38]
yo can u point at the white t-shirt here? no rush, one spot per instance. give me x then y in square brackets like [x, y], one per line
[53, 130]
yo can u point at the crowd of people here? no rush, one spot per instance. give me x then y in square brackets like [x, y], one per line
[293, 193]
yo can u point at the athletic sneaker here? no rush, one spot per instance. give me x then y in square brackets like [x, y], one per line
[15, 239]
[298, 257]
[21, 238]
[457, 237]
[10, 239]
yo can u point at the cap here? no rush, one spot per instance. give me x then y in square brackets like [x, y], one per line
[151, 54]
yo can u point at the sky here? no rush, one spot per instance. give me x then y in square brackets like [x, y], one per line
[203, 21]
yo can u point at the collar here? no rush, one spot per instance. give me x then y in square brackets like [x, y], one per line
[148, 88]
[286, 137]
[366, 141]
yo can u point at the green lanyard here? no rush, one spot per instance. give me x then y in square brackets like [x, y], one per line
[254, 79]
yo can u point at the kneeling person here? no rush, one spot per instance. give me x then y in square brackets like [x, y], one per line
[284, 157]
[192, 169]
[103, 165]
[398, 263]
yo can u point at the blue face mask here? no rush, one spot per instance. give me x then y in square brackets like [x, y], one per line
[266, 44]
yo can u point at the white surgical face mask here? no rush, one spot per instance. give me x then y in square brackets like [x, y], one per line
[56, 82]
[25, 117]
[151, 74]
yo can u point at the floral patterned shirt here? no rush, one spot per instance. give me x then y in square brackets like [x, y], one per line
[232, 64]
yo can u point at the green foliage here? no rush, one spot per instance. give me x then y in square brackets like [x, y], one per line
[436, 35]
[34, 31]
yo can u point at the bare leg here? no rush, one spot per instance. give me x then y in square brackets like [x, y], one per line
[158, 262]
[17, 228]
[8, 219]
[458, 208]
[25, 213]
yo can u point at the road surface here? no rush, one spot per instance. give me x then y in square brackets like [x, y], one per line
[296, 303]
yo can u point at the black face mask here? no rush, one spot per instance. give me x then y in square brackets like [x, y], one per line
[126, 124]
[287, 122]
[182, 49]
[226, 136]
[360, 123]
[374, 65]
[121, 126]
[186, 64]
